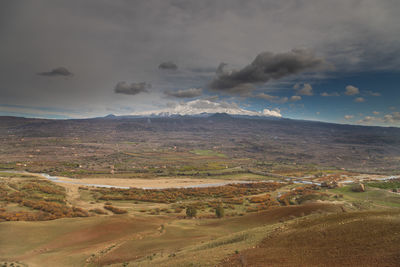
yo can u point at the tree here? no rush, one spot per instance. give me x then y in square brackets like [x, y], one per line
[219, 211]
[191, 211]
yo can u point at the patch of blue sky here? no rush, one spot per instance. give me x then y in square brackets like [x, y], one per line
[379, 91]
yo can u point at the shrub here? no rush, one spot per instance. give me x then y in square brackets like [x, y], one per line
[358, 188]
[98, 211]
[219, 212]
[191, 211]
[260, 199]
[115, 210]
[177, 210]
[172, 195]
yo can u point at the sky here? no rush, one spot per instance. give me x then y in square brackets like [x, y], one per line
[334, 61]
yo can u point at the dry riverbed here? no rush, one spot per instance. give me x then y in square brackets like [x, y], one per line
[147, 183]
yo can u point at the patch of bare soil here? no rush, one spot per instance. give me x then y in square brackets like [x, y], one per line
[99, 235]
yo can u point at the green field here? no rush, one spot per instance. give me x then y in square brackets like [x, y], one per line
[373, 196]
[212, 153]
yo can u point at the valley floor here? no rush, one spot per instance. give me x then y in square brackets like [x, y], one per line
[287, 225]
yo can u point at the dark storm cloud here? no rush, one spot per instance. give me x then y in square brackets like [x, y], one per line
[188, 93]
[221, 68]
[60, 71]
[168, 66]
[266, 66]
[131, 89]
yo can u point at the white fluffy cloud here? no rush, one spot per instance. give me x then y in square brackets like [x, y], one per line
[306, 90]
[330, 94]
[348, 117]
[351, 90]
[359, 99]
[369, 120]
[295, 98]
[373, 93]
[392, 118]
[272, 113]
[205, 106]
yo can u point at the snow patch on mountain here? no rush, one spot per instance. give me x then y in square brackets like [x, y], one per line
[200, 106]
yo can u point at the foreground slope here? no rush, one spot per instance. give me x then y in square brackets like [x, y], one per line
[314, 234]
[370, 238]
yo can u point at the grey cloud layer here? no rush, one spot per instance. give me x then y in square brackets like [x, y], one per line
[131, 89]
[106, 41]
[188, 93]
[266, 66]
